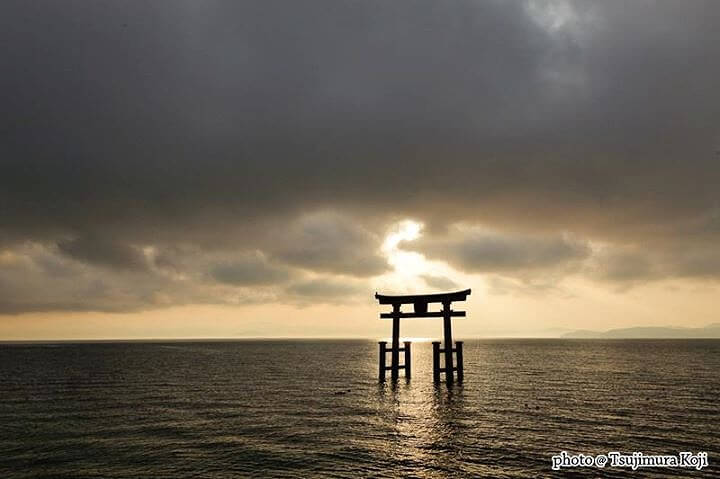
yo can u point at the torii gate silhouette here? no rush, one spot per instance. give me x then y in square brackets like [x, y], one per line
[420, 310]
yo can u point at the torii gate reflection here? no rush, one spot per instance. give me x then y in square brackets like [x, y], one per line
[420, 310]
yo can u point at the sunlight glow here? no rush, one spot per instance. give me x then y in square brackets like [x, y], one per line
[407, 230]
[552, 15]
[406, 263]
[411, 270]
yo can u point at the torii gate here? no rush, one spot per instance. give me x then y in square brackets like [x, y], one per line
[420, 310]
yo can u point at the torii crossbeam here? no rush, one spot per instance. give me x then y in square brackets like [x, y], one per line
[420, 310]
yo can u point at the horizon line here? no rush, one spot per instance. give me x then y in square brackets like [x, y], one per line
[306, 338]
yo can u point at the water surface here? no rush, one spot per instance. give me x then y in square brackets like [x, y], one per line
[315, 408]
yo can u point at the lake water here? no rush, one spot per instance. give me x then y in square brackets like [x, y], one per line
[315, 409]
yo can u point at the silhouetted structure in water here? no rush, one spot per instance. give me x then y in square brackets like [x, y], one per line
[420, 310]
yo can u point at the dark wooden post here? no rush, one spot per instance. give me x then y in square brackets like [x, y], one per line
[436, 361]
[383, 352]
[396, 341]
[407, 359]
[459, 358]
[447, 328]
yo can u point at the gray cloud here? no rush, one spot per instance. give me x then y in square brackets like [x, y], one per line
[209, 129]
[697, 263]
[250, 270]
[39, 278]
[36, 277]
[326, 290]
[477, 250]
[500, 285]
[440, 283]
[630, 265]
[104, 252]
[624, 265]
[328, 242]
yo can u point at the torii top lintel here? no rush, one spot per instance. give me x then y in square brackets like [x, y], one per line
[423, 298]
[420, 304]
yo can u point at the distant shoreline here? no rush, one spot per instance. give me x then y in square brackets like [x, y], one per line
[711, 331]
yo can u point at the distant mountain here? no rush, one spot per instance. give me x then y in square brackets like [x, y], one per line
[709, 331]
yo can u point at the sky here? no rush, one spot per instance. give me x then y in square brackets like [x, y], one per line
[261, 168]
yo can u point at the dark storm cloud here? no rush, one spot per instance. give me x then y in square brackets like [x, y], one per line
[216, 127]
[153, 119]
